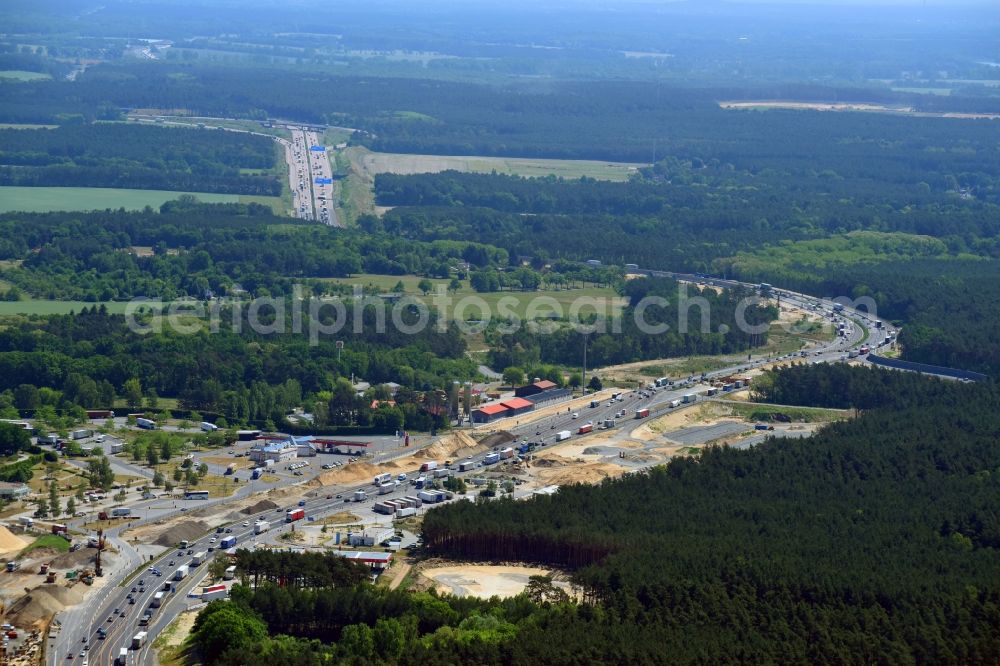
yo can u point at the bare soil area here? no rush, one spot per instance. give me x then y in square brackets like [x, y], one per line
[485, 581]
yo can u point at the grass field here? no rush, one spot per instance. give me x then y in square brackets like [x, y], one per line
[375, 163]
[41, 307]
[53, 541]
[25, 126]
[20, 75]
[48, 199]
[522, 299]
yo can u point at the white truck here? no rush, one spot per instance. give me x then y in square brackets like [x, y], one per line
[198, 558]
[208, 427]
[157, 600]
[181, 573]
[386, 488]
[563, 435]
[138, 640]
[27, 521]
[122, 658]
[261, 526]
[230, 573]
[360, 496]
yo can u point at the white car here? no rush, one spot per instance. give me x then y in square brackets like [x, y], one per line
[576, 415]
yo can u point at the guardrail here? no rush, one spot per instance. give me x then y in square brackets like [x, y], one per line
[912, 366]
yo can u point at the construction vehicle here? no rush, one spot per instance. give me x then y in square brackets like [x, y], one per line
[44, 568]
[51, 577]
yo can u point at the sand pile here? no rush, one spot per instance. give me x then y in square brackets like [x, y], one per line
[358, 472]
[497, 439]
[263, 505]
[576, 473]
[10, 542]
[41, 604]
[452, 445]
[74, 559]
[189, 530]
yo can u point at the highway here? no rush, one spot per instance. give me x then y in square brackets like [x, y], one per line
[86, 618]
[321, 176]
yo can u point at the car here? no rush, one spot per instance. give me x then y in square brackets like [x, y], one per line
[190, 550]
[69, 656]
[211, 548]
[84, 639]
[111, 618]
[116, 611]
[141, 583]
[212, 540]
[183, 508]
[228, 530]
[339, 496]
[131, 601]
[279, 510]
[134, 588]
[246, 523]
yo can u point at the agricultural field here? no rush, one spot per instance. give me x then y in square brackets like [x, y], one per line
[563, 297]
[20, 75]
[49, 199]
[375, 163]
[33, 306]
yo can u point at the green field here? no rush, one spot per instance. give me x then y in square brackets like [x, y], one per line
[48, 199]
[25, 126]
[44, 307]
[563, 297]
[52, 541]
[21, 75]
[375, 163]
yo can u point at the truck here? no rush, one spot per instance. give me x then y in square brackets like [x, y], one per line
[58, 528]
[419, 482]
[609, 423]
[878, 324]
[689, 398]
[853, 353]
[83, 433]
[763, 426]
[198, 558]
[146, 424]
[507, 453]
[138, 640]
[360, 496]
[642, 413]
[214, 592]
[712, 391]
[121, 512]
[864, 350]
[230, 573]
[407, 512]
[382, 478]
[491, 459]
[431, 496]
[183, 543]
[26, 521]
[595, 403]
[429, 466]
[122, 658]
[230, 469]
[563, 435]
[294, 514]
[584, 429]
[208, 427]
[144, 620]
[466, 465]
[13, 565]
[261, 526]
[157, 600]
[181, 573]
[228, 542]
[256, 473]
[386, 488]
[675, 403]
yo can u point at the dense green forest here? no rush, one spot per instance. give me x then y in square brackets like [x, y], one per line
[85, 360]
[873, 541]
[138, 157]
[199, 248]
[948, 307]
[690, 330]
[633, 121]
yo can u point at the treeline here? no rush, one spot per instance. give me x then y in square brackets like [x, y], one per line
[207, 249]
[138, 157]
[630, 121]
[662, 319]
[86, 360]
[948, 307]
[873, 540]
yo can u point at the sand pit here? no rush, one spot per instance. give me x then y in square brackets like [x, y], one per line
[452, 445]
[559, 471]
[485, 581]
[10, 542]
[357, 472]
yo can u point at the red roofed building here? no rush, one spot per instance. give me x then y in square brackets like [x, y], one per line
[489, 413]
[535, 388]
[518, 406]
